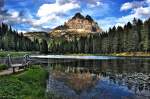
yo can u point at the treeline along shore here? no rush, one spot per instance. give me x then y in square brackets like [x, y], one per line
[132, 37]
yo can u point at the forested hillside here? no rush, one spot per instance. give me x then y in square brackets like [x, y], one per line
[133, 37]
[14, 41]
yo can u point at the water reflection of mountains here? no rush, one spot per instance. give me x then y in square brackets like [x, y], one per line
[139, 83]
[132, 74]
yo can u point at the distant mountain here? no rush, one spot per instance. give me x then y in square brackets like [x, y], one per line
[78, 25]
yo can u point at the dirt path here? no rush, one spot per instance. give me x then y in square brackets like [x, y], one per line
[9, 71]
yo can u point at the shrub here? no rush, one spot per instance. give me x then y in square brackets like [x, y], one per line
[3, 67]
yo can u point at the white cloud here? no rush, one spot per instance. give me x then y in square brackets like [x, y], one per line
[109, 22]
[49, 16]
[14, 14]
[131, 5]
[148, 1]
[34, 29]
[62, 2]
[98, 3]
[92, 5]
[48, 9]
[99, 10]
[45, 19]
[142, 12]
[126, 6]
[138, 9]
[11, 17]
[125, 19]
[51, 12]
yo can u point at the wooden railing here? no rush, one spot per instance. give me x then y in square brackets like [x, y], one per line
[25, 62]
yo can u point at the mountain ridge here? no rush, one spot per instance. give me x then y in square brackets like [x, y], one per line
[78, 24]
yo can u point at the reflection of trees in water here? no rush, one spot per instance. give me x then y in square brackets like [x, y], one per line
[116, 66]
[132, 74]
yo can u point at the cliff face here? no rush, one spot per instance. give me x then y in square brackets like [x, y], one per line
[81, 23]
[78, 25]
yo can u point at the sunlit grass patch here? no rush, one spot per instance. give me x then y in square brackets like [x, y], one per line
[30, 84]
[13, 53]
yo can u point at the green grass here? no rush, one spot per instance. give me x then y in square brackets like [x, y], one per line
[3, 67]
[132, 54]
[30, 84]
[115, 54]
[13, 53]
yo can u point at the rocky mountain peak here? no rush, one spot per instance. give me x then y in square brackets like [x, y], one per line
[78, 15]
[78, 24]
[89, 18]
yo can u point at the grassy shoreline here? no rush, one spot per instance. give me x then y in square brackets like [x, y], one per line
[124, 54]
[30, 84]
[13, 53]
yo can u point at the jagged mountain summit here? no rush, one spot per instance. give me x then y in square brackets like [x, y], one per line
[78, 24]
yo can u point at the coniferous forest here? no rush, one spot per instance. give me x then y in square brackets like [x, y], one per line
[133, 37]
[11, 40]
[74, 49]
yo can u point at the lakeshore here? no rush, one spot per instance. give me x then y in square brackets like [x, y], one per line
[29, 84]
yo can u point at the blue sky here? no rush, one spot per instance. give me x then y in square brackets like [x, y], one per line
[43, 15]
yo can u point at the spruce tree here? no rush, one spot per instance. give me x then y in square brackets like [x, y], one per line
[44, 47]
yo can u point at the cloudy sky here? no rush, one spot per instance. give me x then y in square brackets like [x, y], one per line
[43, 15]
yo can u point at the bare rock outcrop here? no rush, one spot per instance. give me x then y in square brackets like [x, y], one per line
[77, 25]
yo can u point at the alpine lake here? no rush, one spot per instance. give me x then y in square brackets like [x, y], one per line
[97, 77]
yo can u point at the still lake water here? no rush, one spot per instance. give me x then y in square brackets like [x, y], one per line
[98, 77]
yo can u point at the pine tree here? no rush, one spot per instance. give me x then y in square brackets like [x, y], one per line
[44, 47]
